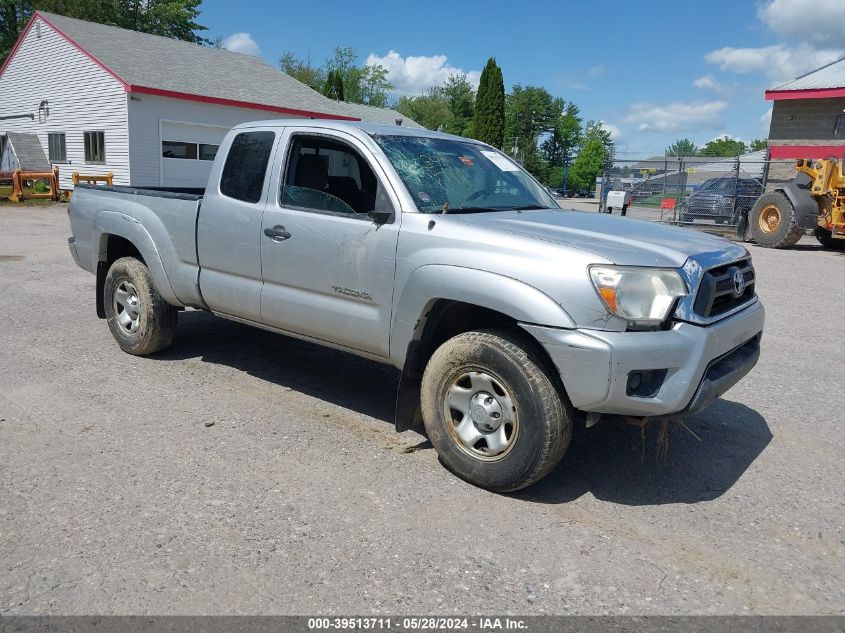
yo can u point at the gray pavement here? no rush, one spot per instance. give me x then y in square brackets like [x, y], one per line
[116, 497]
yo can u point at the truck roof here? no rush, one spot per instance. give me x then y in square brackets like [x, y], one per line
[384, 129]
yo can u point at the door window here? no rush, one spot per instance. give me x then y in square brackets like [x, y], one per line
[246, 165]
[328, 176]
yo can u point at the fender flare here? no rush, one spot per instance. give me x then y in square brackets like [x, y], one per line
[114, 223]
[435, 282]
[806, 207]
[493, 291]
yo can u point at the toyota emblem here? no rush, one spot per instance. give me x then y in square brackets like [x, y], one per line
[739, 283]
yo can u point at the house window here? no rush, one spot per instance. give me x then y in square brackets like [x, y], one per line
[184, 149]
[179, 149]
[56, 147]
[2, 143]
[95, 147]
[208, 152]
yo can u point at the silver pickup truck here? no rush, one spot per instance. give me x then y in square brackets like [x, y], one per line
[510, 319]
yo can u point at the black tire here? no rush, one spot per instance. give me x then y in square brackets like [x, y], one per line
[827, 240]
[541, 414]
[780, 234]
[152, 321]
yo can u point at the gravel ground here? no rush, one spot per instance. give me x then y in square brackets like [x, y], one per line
[117, 497]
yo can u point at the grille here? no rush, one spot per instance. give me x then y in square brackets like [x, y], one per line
[717, 293]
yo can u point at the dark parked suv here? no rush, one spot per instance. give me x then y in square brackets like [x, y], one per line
[714, 200]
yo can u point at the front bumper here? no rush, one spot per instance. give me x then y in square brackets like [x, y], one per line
[703, 362]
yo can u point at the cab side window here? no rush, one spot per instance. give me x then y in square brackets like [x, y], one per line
[246, 165]
[328, 176]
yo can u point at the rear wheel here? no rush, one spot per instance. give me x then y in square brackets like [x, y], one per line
[493, 411]
[139, 318]
[827, 240]
[772, 221]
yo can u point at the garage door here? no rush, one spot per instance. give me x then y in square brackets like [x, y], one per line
[187, 152]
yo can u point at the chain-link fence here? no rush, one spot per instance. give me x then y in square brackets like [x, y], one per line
[702, 192]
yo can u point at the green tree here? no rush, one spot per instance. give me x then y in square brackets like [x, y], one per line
[724, 146]
[589, 164]
[682, 147]
[488, 123]
[431, 109]
[361, 84]
[564, 138]
[374, 85]
[447, 107]
[595, 130]
[759, 143]
[303, 70]
[170, 18]
[458, 93]
[333, 86]
[530, 113]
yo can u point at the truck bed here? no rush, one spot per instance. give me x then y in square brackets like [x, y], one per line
[179, 193]
[159, 221]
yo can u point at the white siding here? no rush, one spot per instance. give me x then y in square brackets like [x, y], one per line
[147, 115]
[82, 97]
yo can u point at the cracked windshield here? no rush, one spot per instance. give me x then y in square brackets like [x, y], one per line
[453, 176]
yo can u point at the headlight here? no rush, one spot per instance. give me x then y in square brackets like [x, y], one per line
[641, 296]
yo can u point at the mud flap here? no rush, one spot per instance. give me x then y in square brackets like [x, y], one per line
[408, 413]
[102, 271]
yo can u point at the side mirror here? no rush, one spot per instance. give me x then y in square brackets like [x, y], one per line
[381, 217]
[382, 212]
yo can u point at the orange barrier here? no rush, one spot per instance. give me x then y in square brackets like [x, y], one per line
[19, 177]
[92, 179]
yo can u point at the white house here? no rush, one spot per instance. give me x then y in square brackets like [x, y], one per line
[149, 109]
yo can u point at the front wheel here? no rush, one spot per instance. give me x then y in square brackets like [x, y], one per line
[139, 318]
[493, 412]
[772, 221]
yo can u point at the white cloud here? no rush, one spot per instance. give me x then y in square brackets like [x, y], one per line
[414, 74]
[614, 130]
[766, 120]
[821, 22]
[595, 71]
[577, 85]
[675, 116]
[778, 62]
[709, 82]
[242, 43]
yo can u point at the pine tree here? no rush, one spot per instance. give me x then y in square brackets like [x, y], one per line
[338, 87]
[329, 85]
[489, 121]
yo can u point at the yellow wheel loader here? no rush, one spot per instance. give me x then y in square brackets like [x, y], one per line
[814, 199]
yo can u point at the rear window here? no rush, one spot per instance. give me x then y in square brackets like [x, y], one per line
[246, 165]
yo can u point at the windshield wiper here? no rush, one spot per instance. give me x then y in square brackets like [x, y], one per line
[473, 209]
[525, 207]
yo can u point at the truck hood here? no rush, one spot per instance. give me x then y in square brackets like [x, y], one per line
[621, 240]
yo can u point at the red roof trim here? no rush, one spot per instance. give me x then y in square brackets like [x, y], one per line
[82, 50]
[169, 93]
[815, 93]
[807, 151]
[235, 104]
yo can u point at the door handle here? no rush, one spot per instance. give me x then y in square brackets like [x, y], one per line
[277, 233]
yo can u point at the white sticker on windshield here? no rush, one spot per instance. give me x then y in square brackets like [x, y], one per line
[499, 161]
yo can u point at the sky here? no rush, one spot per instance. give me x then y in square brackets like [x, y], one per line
[651, 72]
